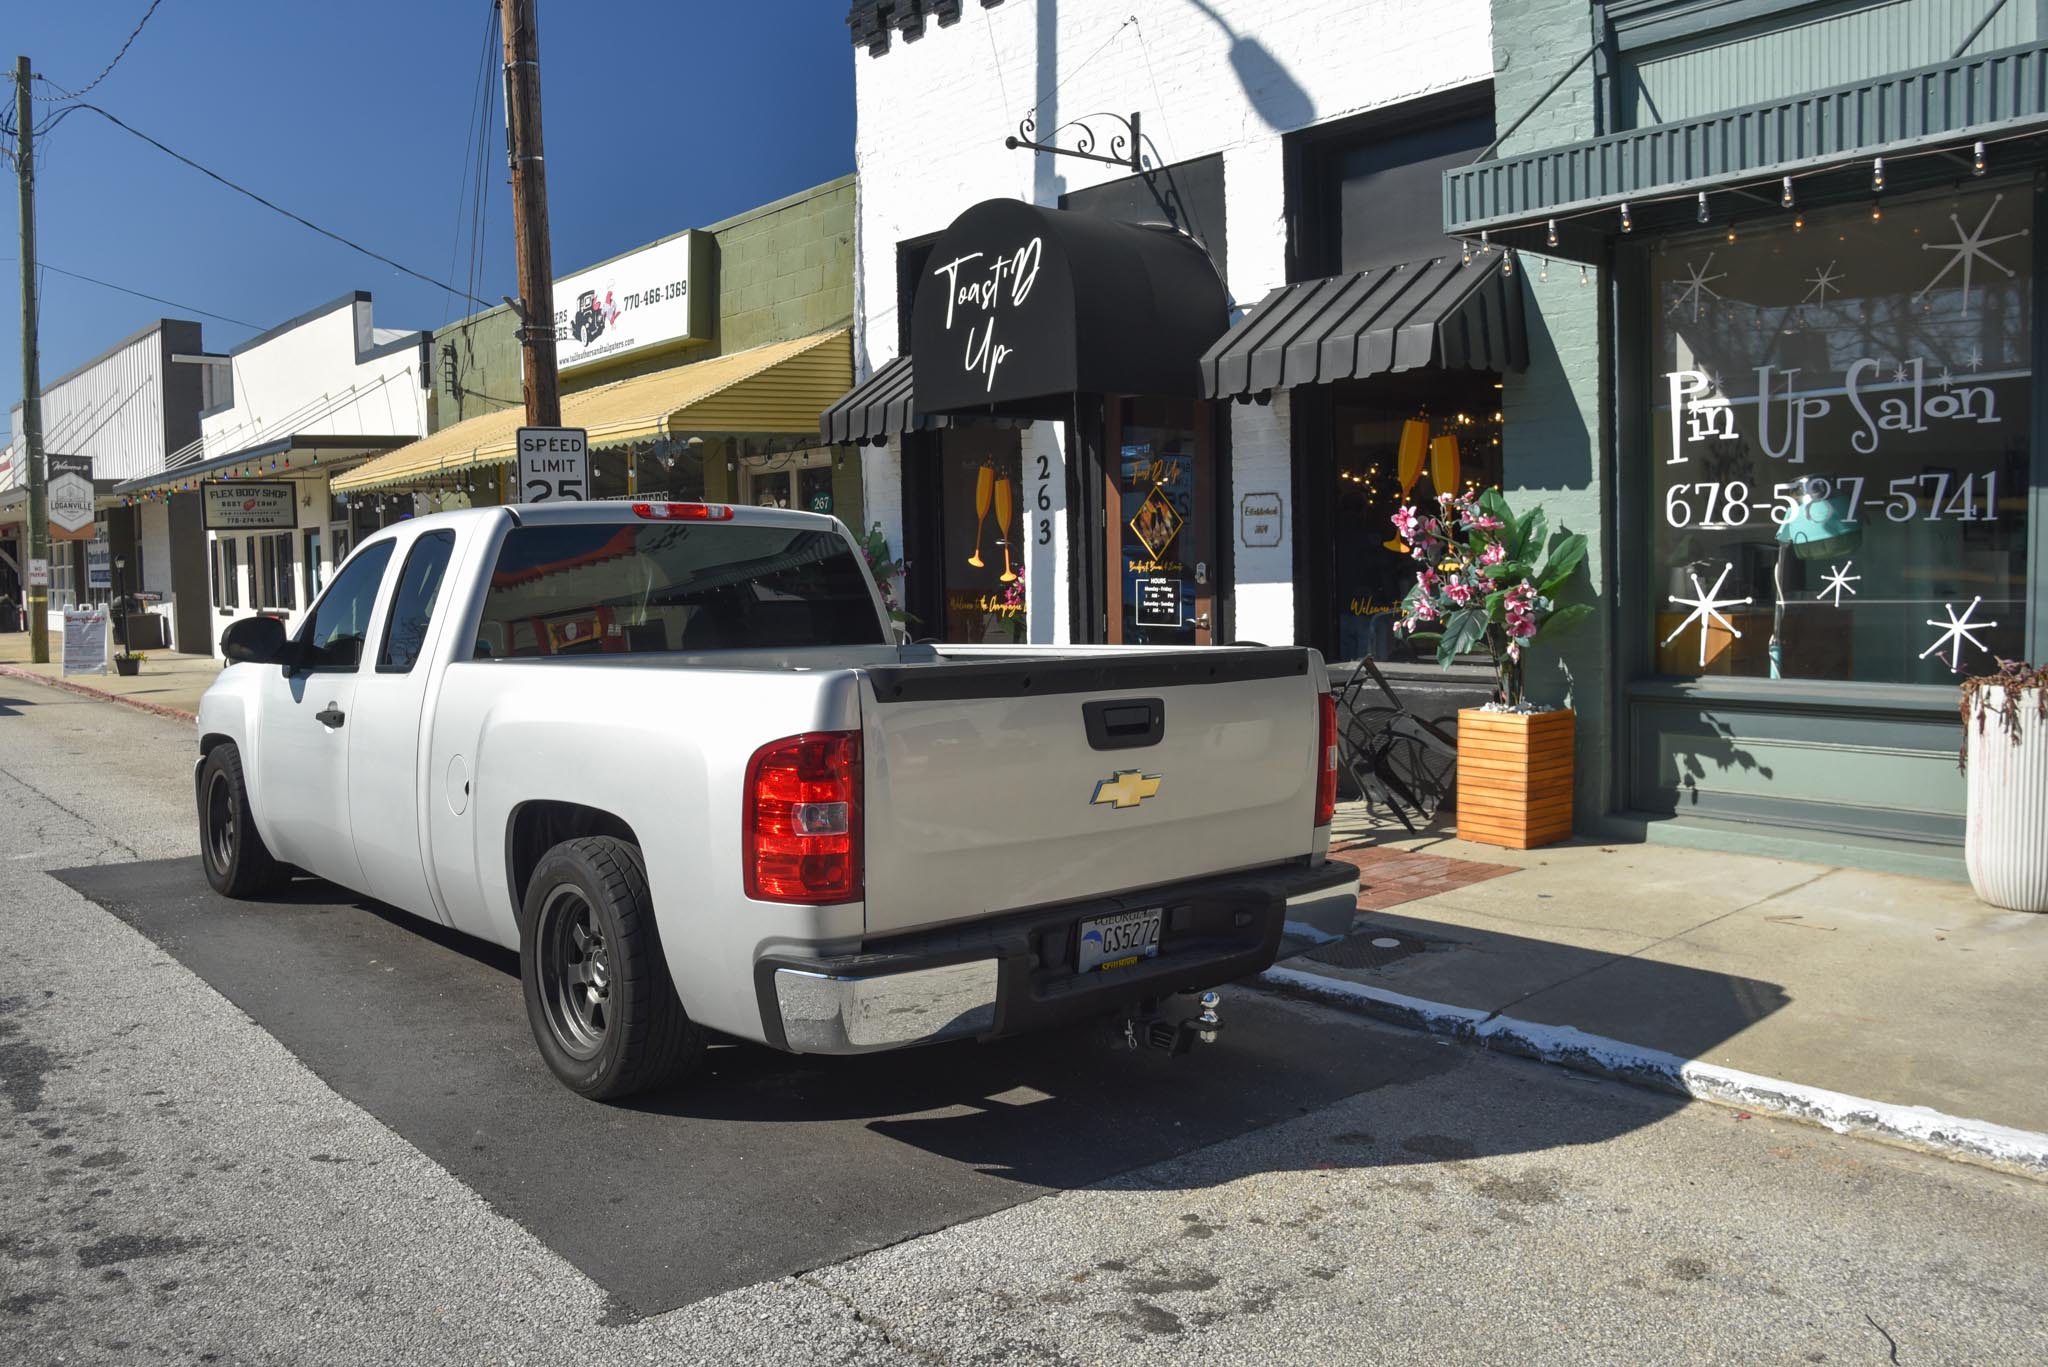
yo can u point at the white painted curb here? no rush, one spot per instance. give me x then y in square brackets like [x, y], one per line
[1978, 1140]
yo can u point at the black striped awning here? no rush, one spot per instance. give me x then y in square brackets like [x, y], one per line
[1439, 312]
[878, 407]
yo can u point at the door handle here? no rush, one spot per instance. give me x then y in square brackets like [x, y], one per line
[331, 716]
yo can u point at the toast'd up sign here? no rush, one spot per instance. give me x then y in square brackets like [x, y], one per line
[255, 506]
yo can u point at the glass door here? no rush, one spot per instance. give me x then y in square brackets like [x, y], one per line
[1159, 469]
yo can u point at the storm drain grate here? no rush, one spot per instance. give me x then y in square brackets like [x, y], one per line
[1368, 947]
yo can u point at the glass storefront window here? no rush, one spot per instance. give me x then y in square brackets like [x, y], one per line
[1400, 440]
[1162, 514]
[981, 535]
[671, 468]
[1839, 439]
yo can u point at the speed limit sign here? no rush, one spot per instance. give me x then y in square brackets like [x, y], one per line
[553, 464]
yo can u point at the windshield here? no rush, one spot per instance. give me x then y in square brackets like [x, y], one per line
[606, 589]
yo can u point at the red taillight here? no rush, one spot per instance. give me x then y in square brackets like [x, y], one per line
[683, 512]
[1326, 776]
[802, 820]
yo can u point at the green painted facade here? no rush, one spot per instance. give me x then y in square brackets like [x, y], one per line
[1847, 772]
[783, 270]
[1553, 442]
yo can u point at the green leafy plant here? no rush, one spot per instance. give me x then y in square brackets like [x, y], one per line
[874, 547]
[1489, 581]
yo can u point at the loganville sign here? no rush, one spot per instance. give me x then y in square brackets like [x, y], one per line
[69, 491]
[255, 506]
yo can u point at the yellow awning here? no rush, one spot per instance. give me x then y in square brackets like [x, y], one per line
[778, 388]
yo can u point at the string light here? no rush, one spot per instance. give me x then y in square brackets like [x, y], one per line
[1553, 232]
[1484, 245]
[1799, 223]
[1507, 261]
[1731, 232]
[1544, 273]
[1785, 196]
[1977, 160]
[1627, 225]
[1875, 211]
[1468, 252]
[1582, 273]
[1877, 174]
[1703, 206]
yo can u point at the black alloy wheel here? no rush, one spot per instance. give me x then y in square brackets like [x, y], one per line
[238, 863]
[599, 996]
[575, 973]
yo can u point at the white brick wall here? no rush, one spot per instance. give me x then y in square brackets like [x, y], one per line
[1228, 76]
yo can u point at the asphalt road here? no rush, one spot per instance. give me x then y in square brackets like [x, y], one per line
[205, 1166]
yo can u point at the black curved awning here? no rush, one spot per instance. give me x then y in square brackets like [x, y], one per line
[877, 408]
[1438, 312]
[1020, 304]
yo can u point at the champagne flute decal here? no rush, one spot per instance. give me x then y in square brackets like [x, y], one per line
[1005, 506]
[984, 481]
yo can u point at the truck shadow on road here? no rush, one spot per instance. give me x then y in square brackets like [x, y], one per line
[767, 1164]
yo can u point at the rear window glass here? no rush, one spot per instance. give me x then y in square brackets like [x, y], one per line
[607, 589]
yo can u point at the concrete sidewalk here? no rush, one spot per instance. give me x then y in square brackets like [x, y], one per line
[1684, 965]
[168, 683]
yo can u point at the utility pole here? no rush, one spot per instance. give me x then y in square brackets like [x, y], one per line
[530, 213]
[31, 379]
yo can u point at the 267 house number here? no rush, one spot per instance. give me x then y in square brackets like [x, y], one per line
[1932, 497]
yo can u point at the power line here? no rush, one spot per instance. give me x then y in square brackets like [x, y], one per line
[154, 299]
[277, 208]
[63, 94]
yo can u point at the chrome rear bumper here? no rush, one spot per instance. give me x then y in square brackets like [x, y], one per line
[827, 1013]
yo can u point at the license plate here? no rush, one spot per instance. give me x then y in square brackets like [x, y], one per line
[1121, 940]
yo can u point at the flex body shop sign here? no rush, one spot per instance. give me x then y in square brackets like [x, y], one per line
[70, 497]
[554, 464]
[654, 297]
[257, 506]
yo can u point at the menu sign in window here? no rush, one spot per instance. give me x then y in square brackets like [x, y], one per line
[252, 506]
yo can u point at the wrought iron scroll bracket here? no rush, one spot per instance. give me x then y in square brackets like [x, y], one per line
[1126, 148]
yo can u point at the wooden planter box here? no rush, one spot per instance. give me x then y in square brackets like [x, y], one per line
[1514, 777]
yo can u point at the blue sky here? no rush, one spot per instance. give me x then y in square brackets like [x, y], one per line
[658, 116]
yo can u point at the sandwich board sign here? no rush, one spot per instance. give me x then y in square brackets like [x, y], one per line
[553, 464]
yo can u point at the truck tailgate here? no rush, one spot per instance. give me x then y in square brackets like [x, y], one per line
[996, 786]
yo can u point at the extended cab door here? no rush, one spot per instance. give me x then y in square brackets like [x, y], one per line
[387, 775]
[302, 757]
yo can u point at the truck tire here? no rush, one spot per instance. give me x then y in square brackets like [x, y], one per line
[238, 863]
[599, 997]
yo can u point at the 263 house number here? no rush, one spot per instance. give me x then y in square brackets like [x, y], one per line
[1042, 502]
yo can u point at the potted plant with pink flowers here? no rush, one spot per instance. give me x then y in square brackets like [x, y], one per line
[1489, 581]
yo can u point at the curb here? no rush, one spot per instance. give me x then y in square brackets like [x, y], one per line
[63, 685]
[1920, 1127]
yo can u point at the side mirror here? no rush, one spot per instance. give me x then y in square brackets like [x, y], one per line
[254, 640]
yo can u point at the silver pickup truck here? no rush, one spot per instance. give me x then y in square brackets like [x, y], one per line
[674, 754]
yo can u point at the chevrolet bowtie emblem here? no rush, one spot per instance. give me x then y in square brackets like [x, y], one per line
[1125, 788]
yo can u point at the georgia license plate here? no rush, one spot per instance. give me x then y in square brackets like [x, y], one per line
[1121, 940]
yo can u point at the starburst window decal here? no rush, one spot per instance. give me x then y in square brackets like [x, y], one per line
[1839, 582]
[1969, 247]
[1953, 632]
[1697, 290]
[1825, 279]
[1706, 605]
